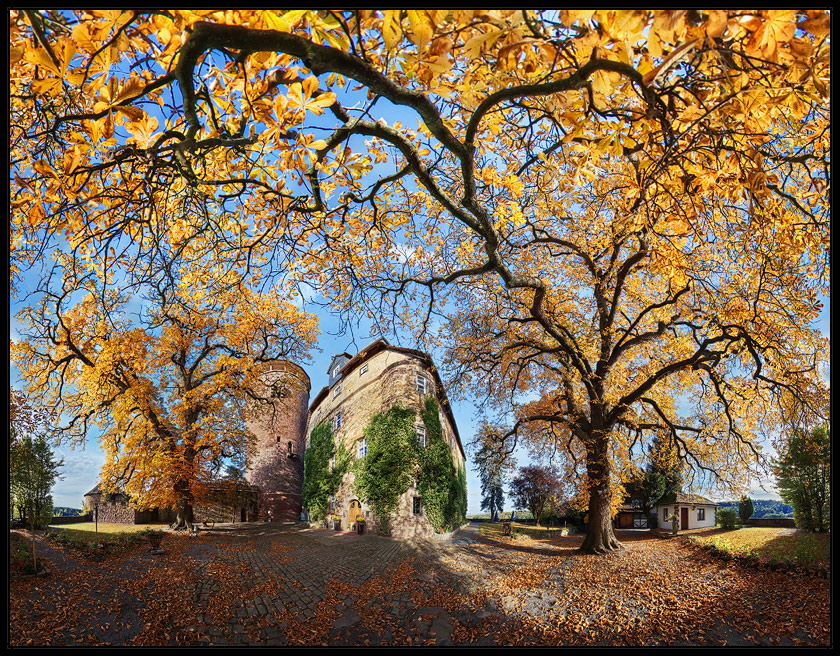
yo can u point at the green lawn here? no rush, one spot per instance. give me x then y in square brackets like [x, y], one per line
[771, 546]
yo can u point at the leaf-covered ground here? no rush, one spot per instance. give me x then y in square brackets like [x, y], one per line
[283, 587]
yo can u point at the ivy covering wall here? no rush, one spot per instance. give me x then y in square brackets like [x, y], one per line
[442, 486]
[394, 462]
[388, 468]
[319, 483]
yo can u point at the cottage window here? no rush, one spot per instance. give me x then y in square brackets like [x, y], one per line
[664, 513]
[362, 448]
[421, 436]
[417, 506]
[421, 384]
[363, 370]
[701, 514]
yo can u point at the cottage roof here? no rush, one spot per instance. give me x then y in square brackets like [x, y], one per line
[95, 490]
[382, 344]
[681, 497]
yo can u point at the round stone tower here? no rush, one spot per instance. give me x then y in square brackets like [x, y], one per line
[275, 458]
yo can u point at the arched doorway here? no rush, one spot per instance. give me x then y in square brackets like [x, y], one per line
[354, 511]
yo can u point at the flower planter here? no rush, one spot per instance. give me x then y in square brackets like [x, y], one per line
[337, 524]
[360, 528]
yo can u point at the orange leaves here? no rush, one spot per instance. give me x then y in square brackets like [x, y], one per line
[778, 27]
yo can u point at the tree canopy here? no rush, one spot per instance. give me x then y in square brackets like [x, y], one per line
[536, 488]
[611, 215]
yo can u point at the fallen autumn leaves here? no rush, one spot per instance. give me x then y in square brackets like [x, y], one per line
[286, 588]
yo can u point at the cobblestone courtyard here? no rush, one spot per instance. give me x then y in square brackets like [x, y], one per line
[275, 585]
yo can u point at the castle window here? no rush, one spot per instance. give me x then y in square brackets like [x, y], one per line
[422, 440]
[363, 370]
[422, 384]
[337, 391]
[362, 448]
[337, 421]
[417, 506]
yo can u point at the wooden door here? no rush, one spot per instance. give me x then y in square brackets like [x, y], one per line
[355, 511]
[684, 519]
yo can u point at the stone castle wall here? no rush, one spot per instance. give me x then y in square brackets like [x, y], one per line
[275, 458]
[385, 379]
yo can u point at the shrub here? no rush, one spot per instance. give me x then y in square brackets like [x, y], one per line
[727, 517]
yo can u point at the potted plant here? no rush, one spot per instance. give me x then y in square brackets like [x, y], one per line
[360, 525]
[336, 522]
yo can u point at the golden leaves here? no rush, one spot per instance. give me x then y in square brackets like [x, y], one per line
[778, 27]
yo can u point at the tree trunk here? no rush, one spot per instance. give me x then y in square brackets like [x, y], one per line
[184, 508]
[599, 533]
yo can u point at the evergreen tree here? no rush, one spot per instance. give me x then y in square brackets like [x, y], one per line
[31, 477]
[803, 474]
[491, 469]
[745, 509]
[661, 477]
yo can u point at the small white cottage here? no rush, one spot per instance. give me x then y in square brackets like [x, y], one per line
[692, 510]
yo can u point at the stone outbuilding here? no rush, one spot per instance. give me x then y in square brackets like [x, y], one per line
[370, 382]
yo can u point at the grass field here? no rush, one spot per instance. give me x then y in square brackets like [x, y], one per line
[771, 546]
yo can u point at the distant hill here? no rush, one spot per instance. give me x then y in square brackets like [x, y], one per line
[763, 508]
[61, 511]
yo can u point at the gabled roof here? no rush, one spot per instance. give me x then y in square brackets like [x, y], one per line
[382, 344]
[95, 490]
[681, 497]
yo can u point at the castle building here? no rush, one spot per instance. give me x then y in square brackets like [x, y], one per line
[274, 463]
[370, 382]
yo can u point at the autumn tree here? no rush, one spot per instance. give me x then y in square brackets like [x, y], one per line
[168, 382]
[618, 219]
[536, 488]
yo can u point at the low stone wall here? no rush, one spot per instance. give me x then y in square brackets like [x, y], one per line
[78, 519]
[774, 522]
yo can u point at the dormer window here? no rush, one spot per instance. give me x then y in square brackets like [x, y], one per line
[336, 370]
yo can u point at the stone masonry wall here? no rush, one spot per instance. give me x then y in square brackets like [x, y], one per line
[390, 379]
[271, 466]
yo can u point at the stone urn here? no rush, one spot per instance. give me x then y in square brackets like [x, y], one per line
[155, 539]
